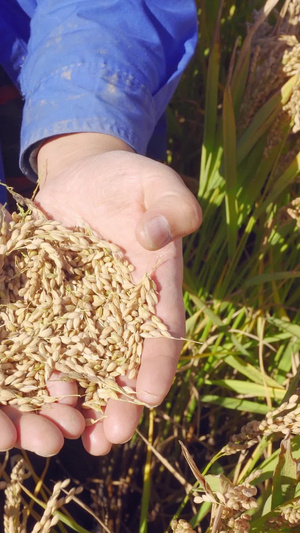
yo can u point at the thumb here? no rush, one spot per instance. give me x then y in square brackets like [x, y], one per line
[171, 212]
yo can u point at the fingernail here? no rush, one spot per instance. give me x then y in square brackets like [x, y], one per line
[157, 232]
[150, 400]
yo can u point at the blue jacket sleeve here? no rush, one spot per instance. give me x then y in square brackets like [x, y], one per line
[99, 66]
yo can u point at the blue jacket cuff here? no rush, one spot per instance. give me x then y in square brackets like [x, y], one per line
[119, 105]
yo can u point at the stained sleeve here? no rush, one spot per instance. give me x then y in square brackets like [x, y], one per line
[106, 66]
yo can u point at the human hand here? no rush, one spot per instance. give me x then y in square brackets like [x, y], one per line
[39, 433]
[142, 206]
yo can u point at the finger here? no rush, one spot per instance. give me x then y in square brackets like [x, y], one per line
[160, 355]
[35, 433]
[8, 433]
[64, 389]
[121, 420]
[93, 437]
[157, 371]
[171, 212]
[69, 420]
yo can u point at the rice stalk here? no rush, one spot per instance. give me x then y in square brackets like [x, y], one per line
[50, 516]
[14, 518]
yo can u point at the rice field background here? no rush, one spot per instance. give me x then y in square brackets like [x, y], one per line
[221, 454]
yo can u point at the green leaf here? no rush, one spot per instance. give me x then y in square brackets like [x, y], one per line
[268, 277]
[268, 465]
[218, 483]
[260, 524]
[230, 170]
[263, 119]
[207, 310]
[285, 476]
[284, 363]
[238, 83]
[211, 109]
[250, 371]
[285, 325]
[279, 186]
[249, 388]
[236, 404]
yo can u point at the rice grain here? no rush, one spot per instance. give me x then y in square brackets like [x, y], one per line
[68, 303]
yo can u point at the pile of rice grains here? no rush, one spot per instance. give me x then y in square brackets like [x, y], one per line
[68, 303]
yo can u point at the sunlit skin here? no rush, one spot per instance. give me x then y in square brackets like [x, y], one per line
[98, 179]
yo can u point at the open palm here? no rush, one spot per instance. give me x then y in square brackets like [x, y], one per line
[144, 208]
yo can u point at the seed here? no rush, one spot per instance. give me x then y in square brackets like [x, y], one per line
[68, 302]
[45, 332]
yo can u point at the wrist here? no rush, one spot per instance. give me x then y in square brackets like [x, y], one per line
[63, 151]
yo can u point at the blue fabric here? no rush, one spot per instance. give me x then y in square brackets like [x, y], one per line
[14, 36]
[3, 195]
[108, 66]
